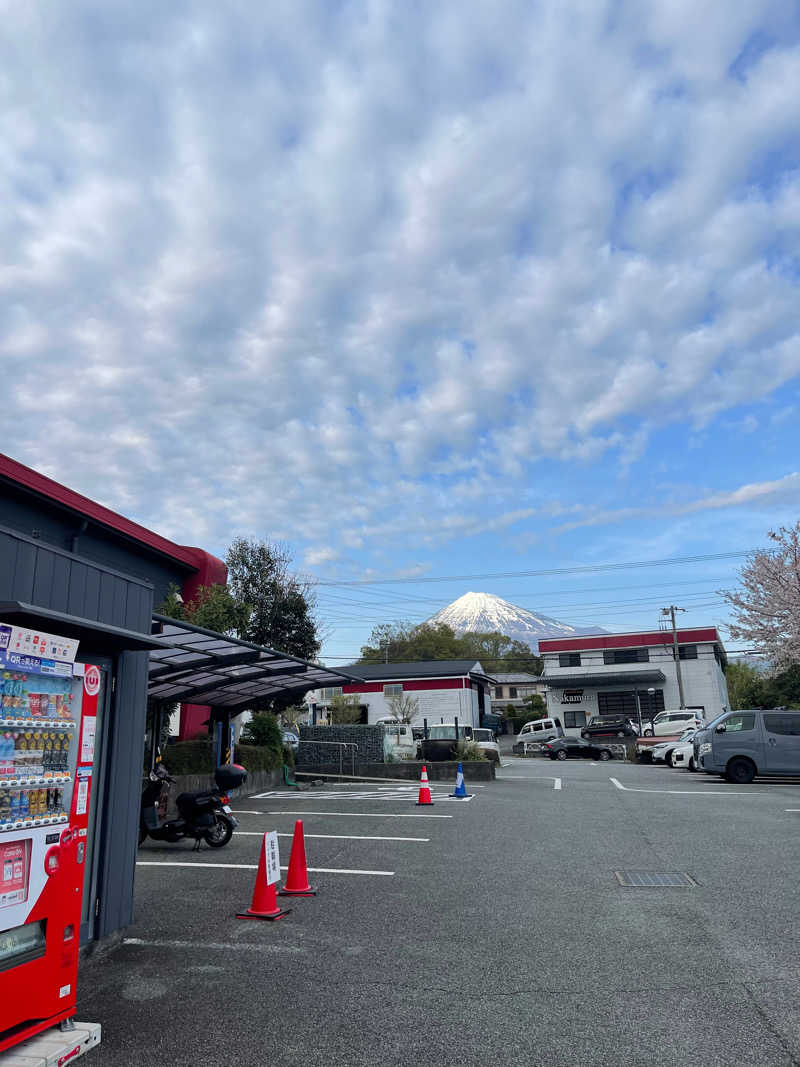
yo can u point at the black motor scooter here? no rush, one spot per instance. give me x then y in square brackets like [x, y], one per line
[205, 815]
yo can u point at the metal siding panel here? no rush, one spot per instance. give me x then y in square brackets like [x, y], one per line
[76, 594]
[91, 604]
[24, 571]
[8, 564]
[143, 596]
[59, 591]
[43, 579]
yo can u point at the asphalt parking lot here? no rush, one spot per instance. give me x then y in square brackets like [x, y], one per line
[494, 930]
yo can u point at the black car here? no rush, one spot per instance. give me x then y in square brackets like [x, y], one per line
[575, 748]
[608, 727]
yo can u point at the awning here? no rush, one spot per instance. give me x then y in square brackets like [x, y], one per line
[101, 636]
[599, 681]
[197, 666]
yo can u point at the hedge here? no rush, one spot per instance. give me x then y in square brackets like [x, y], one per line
[195, 757]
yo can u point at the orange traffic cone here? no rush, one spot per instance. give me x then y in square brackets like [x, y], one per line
[265, 899]
[296, 884]
[424, 788]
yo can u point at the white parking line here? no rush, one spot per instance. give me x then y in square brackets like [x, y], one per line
[348, 814]
[688, 792]
[333, 837]
[253, 867]
[339, 795]
[538, 778]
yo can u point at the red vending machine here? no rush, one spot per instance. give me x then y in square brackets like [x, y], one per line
[48, 707]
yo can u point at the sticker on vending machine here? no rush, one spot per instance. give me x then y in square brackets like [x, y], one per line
[87, 739]
[13, 873]
[82, 800]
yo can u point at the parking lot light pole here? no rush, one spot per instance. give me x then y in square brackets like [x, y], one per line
[638, 710]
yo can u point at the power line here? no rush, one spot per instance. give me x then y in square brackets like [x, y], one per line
[584, 569]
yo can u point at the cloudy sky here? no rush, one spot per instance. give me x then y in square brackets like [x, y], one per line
[418, 289]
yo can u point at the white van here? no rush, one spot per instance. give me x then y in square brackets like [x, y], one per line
[398, 739]
[674, 722]
[537, 732]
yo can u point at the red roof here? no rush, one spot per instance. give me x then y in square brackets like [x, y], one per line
[634, 640]
[195, 558]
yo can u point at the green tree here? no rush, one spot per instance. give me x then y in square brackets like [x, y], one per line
[345, 709]
[279, 607]
[746, 687]
[263, 730]
[214, 608]
[172, 604]
[783, 689]
[535, 705]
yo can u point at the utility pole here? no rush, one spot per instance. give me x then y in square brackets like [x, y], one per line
[671, 612]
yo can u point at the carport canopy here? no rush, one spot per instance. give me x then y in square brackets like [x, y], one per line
[198, 666]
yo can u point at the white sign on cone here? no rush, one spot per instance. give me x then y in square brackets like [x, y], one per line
[273, 857]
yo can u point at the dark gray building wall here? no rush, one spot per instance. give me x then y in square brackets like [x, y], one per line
[38, 573]
[32, 516]
[48, 577]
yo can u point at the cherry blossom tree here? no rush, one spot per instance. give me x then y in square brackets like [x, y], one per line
[767, 606]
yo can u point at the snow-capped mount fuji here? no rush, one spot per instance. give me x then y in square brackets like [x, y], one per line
[486, 613]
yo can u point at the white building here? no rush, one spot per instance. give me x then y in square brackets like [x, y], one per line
[588, 676]
[443, 691]
[513, 689]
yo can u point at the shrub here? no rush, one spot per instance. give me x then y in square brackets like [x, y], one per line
[196, 757]
[467, 752]
[263, 730]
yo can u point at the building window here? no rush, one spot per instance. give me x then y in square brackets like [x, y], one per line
[326, 695]
[393, 690]
[574, 718]
[572, 696]
[687, 651]
[624, 704]
[497, 693]
[512, 692]
[627, 655]
[569, 659]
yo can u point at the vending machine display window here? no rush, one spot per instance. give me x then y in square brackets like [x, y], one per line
[22, 944]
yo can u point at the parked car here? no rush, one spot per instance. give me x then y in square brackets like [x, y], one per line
[741, 744]
[674, 721]
[606, 726]
[441, 741]
[398, 739]
[576, 748]
[683, 756]
[485, 741]
[538, 730]
[663, 751]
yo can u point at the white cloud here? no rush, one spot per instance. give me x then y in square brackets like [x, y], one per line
[296, 266]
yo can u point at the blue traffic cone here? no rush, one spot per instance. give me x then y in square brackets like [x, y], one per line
[460, 790]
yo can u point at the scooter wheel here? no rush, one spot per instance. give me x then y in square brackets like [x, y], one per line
[220, 833]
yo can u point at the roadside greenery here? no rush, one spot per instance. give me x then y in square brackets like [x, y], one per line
[468, 752]
[403, 642]
[749, 688]
[196, 757]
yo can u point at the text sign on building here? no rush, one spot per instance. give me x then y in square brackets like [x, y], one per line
[273, 857]
[572, 696]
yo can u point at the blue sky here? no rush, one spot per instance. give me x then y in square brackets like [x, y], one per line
[419, 290]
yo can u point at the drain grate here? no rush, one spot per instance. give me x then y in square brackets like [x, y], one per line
[655, 879]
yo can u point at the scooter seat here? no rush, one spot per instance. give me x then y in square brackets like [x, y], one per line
[189, 803]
